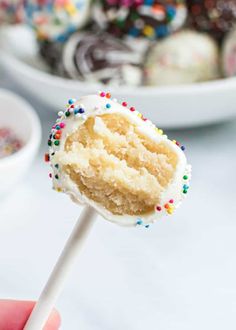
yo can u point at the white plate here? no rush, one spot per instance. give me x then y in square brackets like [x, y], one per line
[168, 107]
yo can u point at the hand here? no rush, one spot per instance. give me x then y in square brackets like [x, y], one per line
[14, 314]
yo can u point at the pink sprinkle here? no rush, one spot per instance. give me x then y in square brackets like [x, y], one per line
[171, 201]
[54, 126]
[62, 125]
[103, 94]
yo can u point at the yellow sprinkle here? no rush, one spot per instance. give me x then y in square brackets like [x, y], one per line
[170, 210]
[71, 9]
[148, 31]
[174, 141]
[140, 115]
[59, 189]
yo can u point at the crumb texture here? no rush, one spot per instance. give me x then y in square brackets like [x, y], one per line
[116, 165]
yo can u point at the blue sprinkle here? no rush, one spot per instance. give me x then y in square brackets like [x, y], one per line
[61, 38]
[171, 11]
[161, 31]
[148, 2]
[139, 221]
[76, 111]
[134, 32]
[185, 187]
[58, 127]
[81, 110]
[71, 101]
[147, 226]
[108, 105]
[183, 148]
[57, 165]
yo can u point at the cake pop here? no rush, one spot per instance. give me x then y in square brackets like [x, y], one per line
[185, 57]
[109, 156]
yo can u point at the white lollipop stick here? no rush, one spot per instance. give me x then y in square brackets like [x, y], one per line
[56, 281]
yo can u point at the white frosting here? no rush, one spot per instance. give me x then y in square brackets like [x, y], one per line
[94, 105]
[185, 57]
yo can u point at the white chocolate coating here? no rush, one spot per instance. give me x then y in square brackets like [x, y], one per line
[229, 55]
[97, 105]
[185, 57]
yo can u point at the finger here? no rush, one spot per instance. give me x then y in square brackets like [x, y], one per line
[14, 314]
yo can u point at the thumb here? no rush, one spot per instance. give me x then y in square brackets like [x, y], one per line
[14, 314]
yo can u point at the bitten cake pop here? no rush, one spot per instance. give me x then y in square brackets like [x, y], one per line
[101, 58]
[229, 55]
[55, 20]
[152, 19]
[110, 157]
[215, 16]
[184, 57]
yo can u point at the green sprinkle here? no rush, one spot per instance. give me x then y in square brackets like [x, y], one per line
[56, 143]
[56, 176]
[67, 113]
[185, 191]
[49, 142]
[185, 177]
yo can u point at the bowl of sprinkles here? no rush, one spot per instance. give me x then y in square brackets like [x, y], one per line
[20, 136]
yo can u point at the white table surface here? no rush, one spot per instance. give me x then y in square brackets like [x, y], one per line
[180, 274]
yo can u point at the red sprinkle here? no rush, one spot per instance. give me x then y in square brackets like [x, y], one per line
[57, 136]
[166, 206]
[124, 104]
[132, 109]
[171, 201]
[50, 175]
[46, 158]
[158, 208]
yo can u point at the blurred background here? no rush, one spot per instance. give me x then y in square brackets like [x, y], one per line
[174, 61]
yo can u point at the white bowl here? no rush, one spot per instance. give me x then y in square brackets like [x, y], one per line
[18, 115]
[168, 107]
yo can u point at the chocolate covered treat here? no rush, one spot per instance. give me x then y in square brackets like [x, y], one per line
[213, 16]
[101, 58]
[151, 19]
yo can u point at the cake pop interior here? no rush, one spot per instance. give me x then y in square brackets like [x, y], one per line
[116, 165]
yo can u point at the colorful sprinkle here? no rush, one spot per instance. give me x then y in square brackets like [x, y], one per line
[71, 101]
[108, 106]
[139, 222]
[46, 158]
